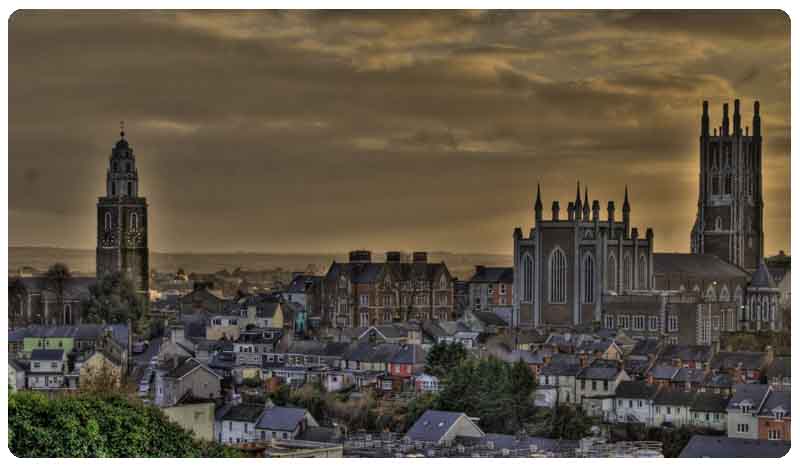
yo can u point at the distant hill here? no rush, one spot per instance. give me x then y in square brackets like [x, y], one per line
[83, 261]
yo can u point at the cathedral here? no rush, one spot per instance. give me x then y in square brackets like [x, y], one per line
[566, 264]
[122, 221]
[730, 209]
[583, 270]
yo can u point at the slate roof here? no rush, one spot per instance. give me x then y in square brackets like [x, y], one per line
[636, 366]
[709, 402]
[16, 365]
[47, 354]
[776, 399]
[319, 434]
[74, 288]
[722, 446]
[599, 372]
[674, 397]
[720, 380]
[367, 273]
[432, 425]
[239, 413]
[730, 360]
[700, 353]
[493, 274]
[663, 372]
[697, 265]
[645, 347]
[488, 318]
[761, 277]
[592, 346]
[635, 390]
[119, 332]
[298, 284]
[409, 354]
[755, 393]
[562, 365]
[281, 418]
[690, 375]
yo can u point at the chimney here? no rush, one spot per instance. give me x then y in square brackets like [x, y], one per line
[393, 256]
[420, 257]
[361, 256]
[571, 211]
[555, 210]
[584, 360]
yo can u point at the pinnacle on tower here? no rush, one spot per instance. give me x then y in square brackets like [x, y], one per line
[704, 120]
[737, 118]
[756, 119]
[725, 121]
[626, 206]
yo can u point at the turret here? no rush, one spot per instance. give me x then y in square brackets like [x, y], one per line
[537, 207]
[571, 211]
[586, 203]
[737, 119]
[610, 214]
[725, 121]
[756, 119]
[577, 205]
[595, 210]
[555, 210]
[704, 120]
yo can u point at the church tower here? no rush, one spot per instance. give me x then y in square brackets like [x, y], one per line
[730, 207]
[122, 221]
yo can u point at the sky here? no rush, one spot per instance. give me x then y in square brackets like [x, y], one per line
[334, 131]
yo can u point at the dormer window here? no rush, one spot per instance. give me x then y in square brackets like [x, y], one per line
[745, 406]
[779, 414]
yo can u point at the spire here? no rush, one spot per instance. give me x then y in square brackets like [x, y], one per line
[537, 207]
[626, 206]
[122, 129]
[578, 206]
[704, 120]
[586, 203]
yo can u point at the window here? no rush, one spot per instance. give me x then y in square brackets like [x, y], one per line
[642, 273]
[364, 300]
[558, 276]
[134, 222]
[611, 280]
[594, 385]
[672, 323]
[774, 435]
[502, 289]
[588, 279]
[130, 189]
[609, 321]
[669, 410]
[108, 221]
[638, 322]
[742, 428]
[364, 318]
[718, 223]
[627, 271]
[652, 324]
[527, 278]
[623, 321]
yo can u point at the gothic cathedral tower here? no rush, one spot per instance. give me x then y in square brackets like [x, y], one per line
[730, 208]
[122, 221]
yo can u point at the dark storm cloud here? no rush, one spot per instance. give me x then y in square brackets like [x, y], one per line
[290, 131]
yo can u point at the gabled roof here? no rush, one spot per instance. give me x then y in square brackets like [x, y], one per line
[281, 418]
[720, 380]
[663, 372]
[489, 319]
[731, 360]
[689, 375]
[645, 347]
[704, 265]
[701, 353]
[722, 446]
[635, 390]
[188, 366]
[709, 402]
[298, 284]
[600, 370]
[434, 424]
[562, 365]
[493, 274]
[777, 400]
[239, 413]
[674, 397]
[754, 394]
[119, 332]
[47, 354]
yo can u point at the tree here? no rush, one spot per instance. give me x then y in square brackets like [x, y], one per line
[98, 425]
[443, 357]
[113, 299]
[523, 384]
[57, 277]
[16, 298]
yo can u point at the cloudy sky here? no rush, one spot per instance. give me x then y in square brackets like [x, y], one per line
[290, 132]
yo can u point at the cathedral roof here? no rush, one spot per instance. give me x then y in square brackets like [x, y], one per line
[704, 265]
[762, 277]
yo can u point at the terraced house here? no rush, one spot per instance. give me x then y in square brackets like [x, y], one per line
[363, 293]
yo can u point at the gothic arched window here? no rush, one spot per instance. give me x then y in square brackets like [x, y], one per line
[724, 295]
[642, 273]
[527, 278]
[130, 189]
[611, 280]
[108, 221]
[718, 223]
[728, 184]
[711, 294]
[627, 272]
[134, 221]
[588, 279]
[558, 276]
[67, 314]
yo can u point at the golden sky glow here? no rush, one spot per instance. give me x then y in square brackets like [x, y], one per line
[319, 132]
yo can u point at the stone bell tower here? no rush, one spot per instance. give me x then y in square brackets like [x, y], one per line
[122, 221]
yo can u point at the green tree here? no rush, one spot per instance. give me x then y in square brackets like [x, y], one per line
[113, 299]
[97, 425]
[523, 385]
[57, 277]
[443, 357]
